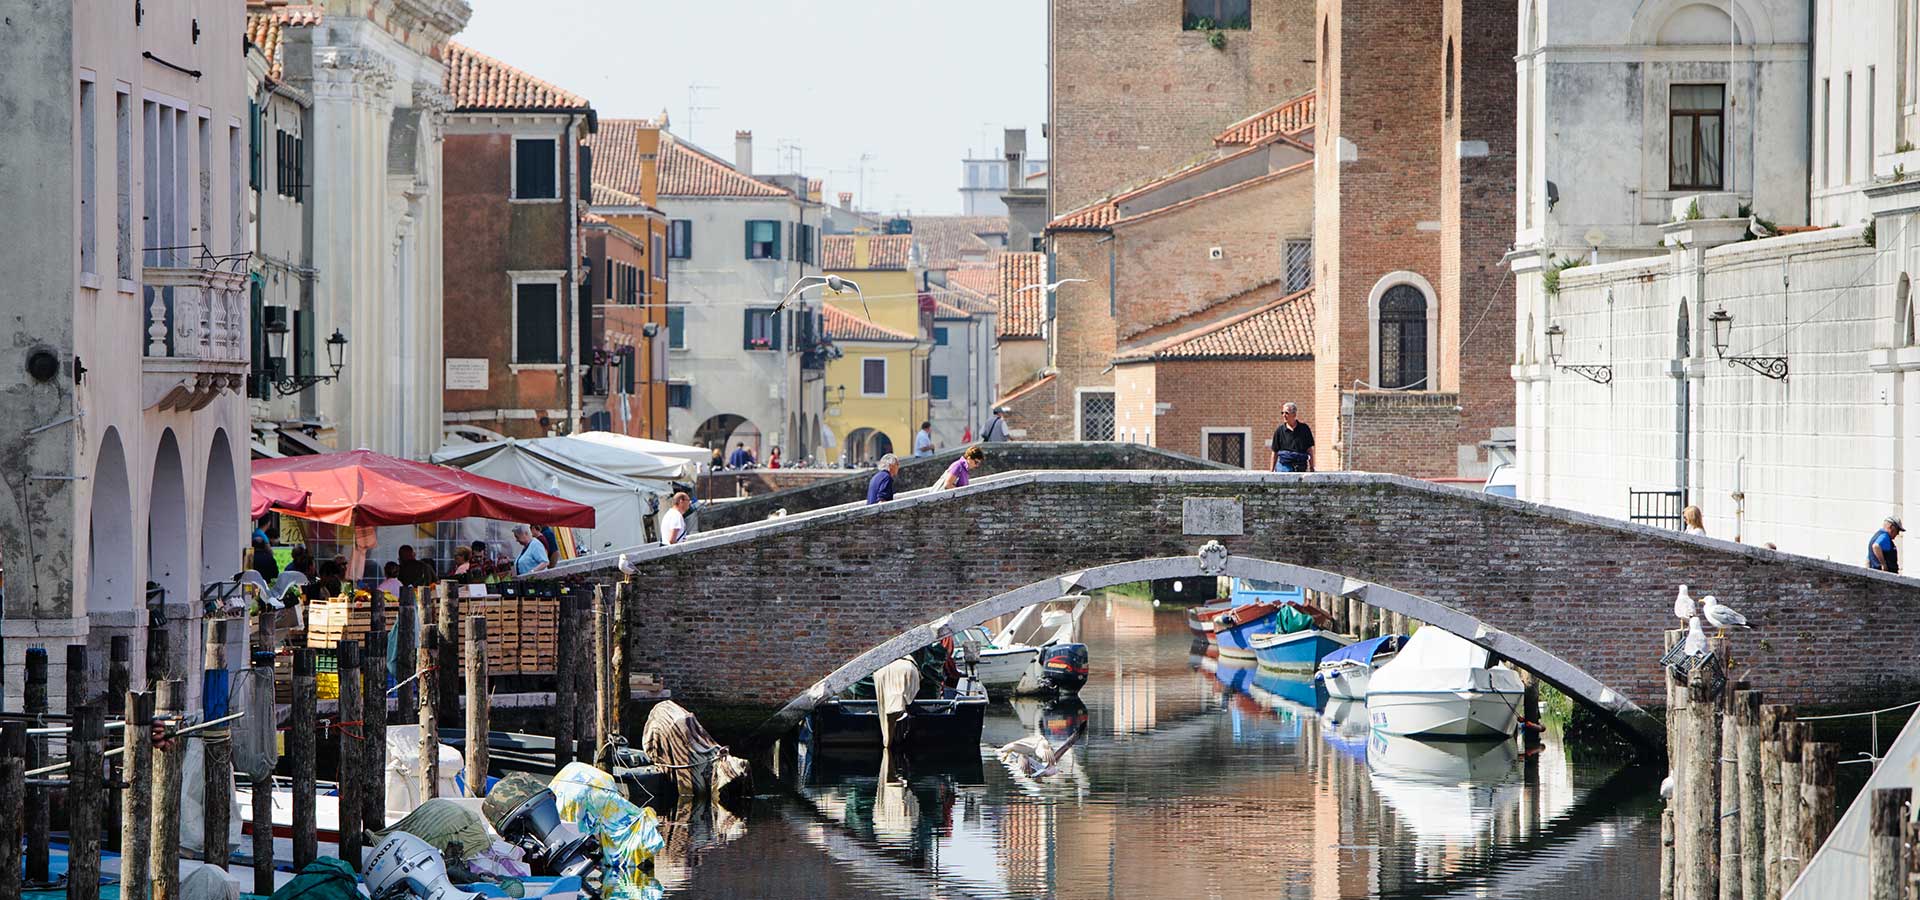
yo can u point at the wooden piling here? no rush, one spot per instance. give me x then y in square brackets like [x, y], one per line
[477, 700]
[1887, 855]
[163, 864]
[86, 749]
[136, 805]
[217, 763]
[1772, 717]
[39, 816]
[1676, 767]
[1751, 823]
[621, 664]
[1792, 806]
[14, 750]
[159, 660]
[349, 736]
[303, 725]
[1530, 709]
[262, 784]
[1820, 760]
[602, 675]
[1699, 812]
[79, 682]
[565, 697]
[373, 701]
[405, 658]
[429, 715]
[1667, 883]
[447, 620]
[583, 684]
[119, 675]
[1731, 815]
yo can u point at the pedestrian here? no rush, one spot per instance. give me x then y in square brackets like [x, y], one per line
[390, 585]
[462, 563]
[996, 430]
[1292, 443]
[332, 576]
[957, 474]
[1881, 553]
[415, 572]
[716, 463]
[740, 458]
[533, 554]
[1691, 520]
[923, 440]
[880, 489]
[773, 458]
[302, 561]
[263, 561]
[673, 525]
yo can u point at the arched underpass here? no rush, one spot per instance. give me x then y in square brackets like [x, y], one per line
[769, 614]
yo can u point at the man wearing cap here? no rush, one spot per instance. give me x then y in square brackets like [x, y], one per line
[1881, 553]
[996, 429]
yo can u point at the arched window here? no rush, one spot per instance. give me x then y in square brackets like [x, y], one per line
[1448, 110]
[1683, 339]
[1403, 337]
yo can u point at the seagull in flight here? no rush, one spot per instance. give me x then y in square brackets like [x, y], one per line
[1722, 616]
[1696, 638]
[1683, 604]
[1050, 288]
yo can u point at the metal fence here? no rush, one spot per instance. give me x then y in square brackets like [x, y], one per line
[1658, 508]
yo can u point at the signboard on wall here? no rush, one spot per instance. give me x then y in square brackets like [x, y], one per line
[466, 374]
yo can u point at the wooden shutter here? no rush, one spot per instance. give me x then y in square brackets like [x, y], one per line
[257, 306]
[746, 331]
[776, 240]
[749, 244]
[774, 329]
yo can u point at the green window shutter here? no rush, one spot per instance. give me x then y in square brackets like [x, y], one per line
[257, 306]
[676, 328]
[776, 317]
[749, 244]
[746, 331]
[776, 239]
[253, 142]
[627, 366]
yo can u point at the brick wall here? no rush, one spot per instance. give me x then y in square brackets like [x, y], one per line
[758, 617]
[1226, 395]
[1476, 216]
[1082, 338]
[1132, 95]
[1404, 432]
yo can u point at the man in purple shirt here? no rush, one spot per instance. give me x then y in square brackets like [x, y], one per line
[880, 489]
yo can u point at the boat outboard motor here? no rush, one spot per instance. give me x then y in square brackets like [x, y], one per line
[404, 866]
[553, 846]
[1063, 667]
[970, 657]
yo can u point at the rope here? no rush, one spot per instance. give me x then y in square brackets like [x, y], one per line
[1855, 715]
[411, 678]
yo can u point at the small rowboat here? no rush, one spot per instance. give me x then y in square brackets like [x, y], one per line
[1236, 628]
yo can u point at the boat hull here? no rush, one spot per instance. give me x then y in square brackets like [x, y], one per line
[1299, 651]
[1001, 670]
[1236, 641]
[1465, 715]
[948, 727]
[1347, 683]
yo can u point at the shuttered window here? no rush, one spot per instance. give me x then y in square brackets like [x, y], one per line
[763, 239]
[536, 323]
[536, 172]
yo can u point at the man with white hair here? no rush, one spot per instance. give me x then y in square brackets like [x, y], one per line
[533, 553]
[880, 489]
[1881, 553]
[1292, 443]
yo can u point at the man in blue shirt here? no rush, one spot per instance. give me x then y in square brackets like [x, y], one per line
[533, 554]
[1881, 553]
[880, 489]
[923, 440]
[740, 458]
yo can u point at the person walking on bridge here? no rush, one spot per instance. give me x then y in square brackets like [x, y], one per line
[673, 525]
[881, 488]
[1292, 443]
[1881, 553]
[958, 474]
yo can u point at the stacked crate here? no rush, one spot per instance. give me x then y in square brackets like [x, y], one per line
[539, 634]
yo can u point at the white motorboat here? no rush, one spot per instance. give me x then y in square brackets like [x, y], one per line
[1446, 792]
[1013, 662]
[1441, 685]
[1347, 671]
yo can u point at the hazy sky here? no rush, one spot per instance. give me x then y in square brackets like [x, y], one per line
[914, 85]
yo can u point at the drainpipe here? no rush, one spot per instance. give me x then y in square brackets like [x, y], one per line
[571, 302]
[1807, 154]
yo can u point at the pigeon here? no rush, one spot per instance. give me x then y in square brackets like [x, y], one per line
[1696, 638]
[626, 565]
[1722, 616]
[1683, 604]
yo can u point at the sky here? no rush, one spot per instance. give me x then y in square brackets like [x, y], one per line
[913, 86]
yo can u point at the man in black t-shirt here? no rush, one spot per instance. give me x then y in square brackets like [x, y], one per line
[1292, 442]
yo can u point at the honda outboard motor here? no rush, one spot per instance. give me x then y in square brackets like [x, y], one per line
[553, 846]
[1064, 666]
[405, 867]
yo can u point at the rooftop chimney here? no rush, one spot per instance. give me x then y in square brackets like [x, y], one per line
[846, 199]
[743, 152]
[1016, 146]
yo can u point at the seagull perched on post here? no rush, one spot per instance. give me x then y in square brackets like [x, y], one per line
[1722, 616]
[1696, 637]
[1683, 604]
[625, 564]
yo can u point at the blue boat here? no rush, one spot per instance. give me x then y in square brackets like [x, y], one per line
[1235, 629]
[1297, 651]
[1253, 590]
[1281, 688]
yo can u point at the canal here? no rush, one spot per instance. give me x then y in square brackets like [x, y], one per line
[1190, 780]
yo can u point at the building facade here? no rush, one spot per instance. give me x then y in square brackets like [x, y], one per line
[518, 332]
[963, 363]
[627, 389]
[880, 381]
[984, 180]
[127, 424]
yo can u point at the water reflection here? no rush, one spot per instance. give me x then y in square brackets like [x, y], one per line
[1193, 777]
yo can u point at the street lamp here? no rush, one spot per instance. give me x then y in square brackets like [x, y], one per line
[1774, 367]
[273, 321]
[1556, 348]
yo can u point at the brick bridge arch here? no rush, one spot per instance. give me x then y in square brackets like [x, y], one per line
[761, 614]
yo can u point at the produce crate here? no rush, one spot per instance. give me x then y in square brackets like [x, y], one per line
[328, 685]
[539, 634]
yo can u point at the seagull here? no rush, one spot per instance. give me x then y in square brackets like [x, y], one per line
[1035, 756]
[1696, 638]
[1683, 604]
[626, 565]
[1050, 288]
[1722, 616]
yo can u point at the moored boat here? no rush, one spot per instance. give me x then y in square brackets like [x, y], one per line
[1347, 671]
[1441, 685]
[948, 726]
[1296, 651]
[1236, 628]
[1200, 618]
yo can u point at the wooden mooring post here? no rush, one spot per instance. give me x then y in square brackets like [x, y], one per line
[169, 756]
[406, 702]
[620, 663]
[217, 758]
[261, 781]
[1819, 761]
[1668, 888]
[349, 733]
[1699, 814]
[86, 749]
[39, 815]
[447, 620]
[373, 700]
[565, 697]
[303, 723]
[1731, 815]
[1751, 823]
[1792, 806]
[1773, 719]
[14, 751]
[119, 677]
[1887, 855]
[429, 714]
[477, 700]
[1675, 849]
[602, 676]
[136, 805]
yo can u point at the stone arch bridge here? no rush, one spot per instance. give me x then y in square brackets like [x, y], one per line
[782, 612]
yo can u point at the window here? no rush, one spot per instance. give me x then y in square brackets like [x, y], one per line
[873, 376]
[1447, 109]
[205, 158]
[762, 330]
[939, 337]
[1096, 415]
[1846, 133]
[763, 239]
[536, 323]
[1299, 265]
[1403, 337]
[1695, 140]
[167, 221]
[627, 370]
[254, 128]
[680, 396]
[1826, 131]
[680, 239]
[677, 327]
[259, 386]
[123, 181]
[804, 248]
[89, 198]
[536, 169]
[304, 334]
[236, 190]
[1228, 447]
[939, 389]
[658, 262]
[1205, 15]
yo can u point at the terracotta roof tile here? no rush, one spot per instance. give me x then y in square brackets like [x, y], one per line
[604, 195]
[1293, 118]
[1024, 389]
[845, 326]
[968, 300]
[685, 170]
[1279, 329]
[889, 252]
[981, 280]
[946, 308]
[836, 252]
[1095, 216]
[948, 242]
[1021, 312]
[265, 24]
[478, 81]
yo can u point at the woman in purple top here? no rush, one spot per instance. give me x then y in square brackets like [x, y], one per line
[957, 474]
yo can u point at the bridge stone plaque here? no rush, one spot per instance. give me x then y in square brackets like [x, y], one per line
[1212, 515]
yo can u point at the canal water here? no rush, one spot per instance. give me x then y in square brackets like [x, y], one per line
[1191, 781]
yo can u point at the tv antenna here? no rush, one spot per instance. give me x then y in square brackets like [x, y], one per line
[694, 109]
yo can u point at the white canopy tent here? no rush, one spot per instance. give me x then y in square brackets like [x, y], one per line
[685, 453]
[612, 481]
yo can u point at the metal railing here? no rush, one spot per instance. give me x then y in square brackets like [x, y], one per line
[1657, 508]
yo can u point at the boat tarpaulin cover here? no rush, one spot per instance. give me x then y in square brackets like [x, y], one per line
[326, 878]
[442, 822]
[1293, 618]
[1364, 651]
[590, 800]
[673, 737]
[1432, 660]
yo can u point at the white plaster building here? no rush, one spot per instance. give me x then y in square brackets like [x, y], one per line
[374, 76]
[963, 363]
[125, 421]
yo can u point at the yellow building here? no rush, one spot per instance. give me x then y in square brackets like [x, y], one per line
[877, 390]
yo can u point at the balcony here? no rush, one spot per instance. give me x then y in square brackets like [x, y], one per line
[196, 342]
